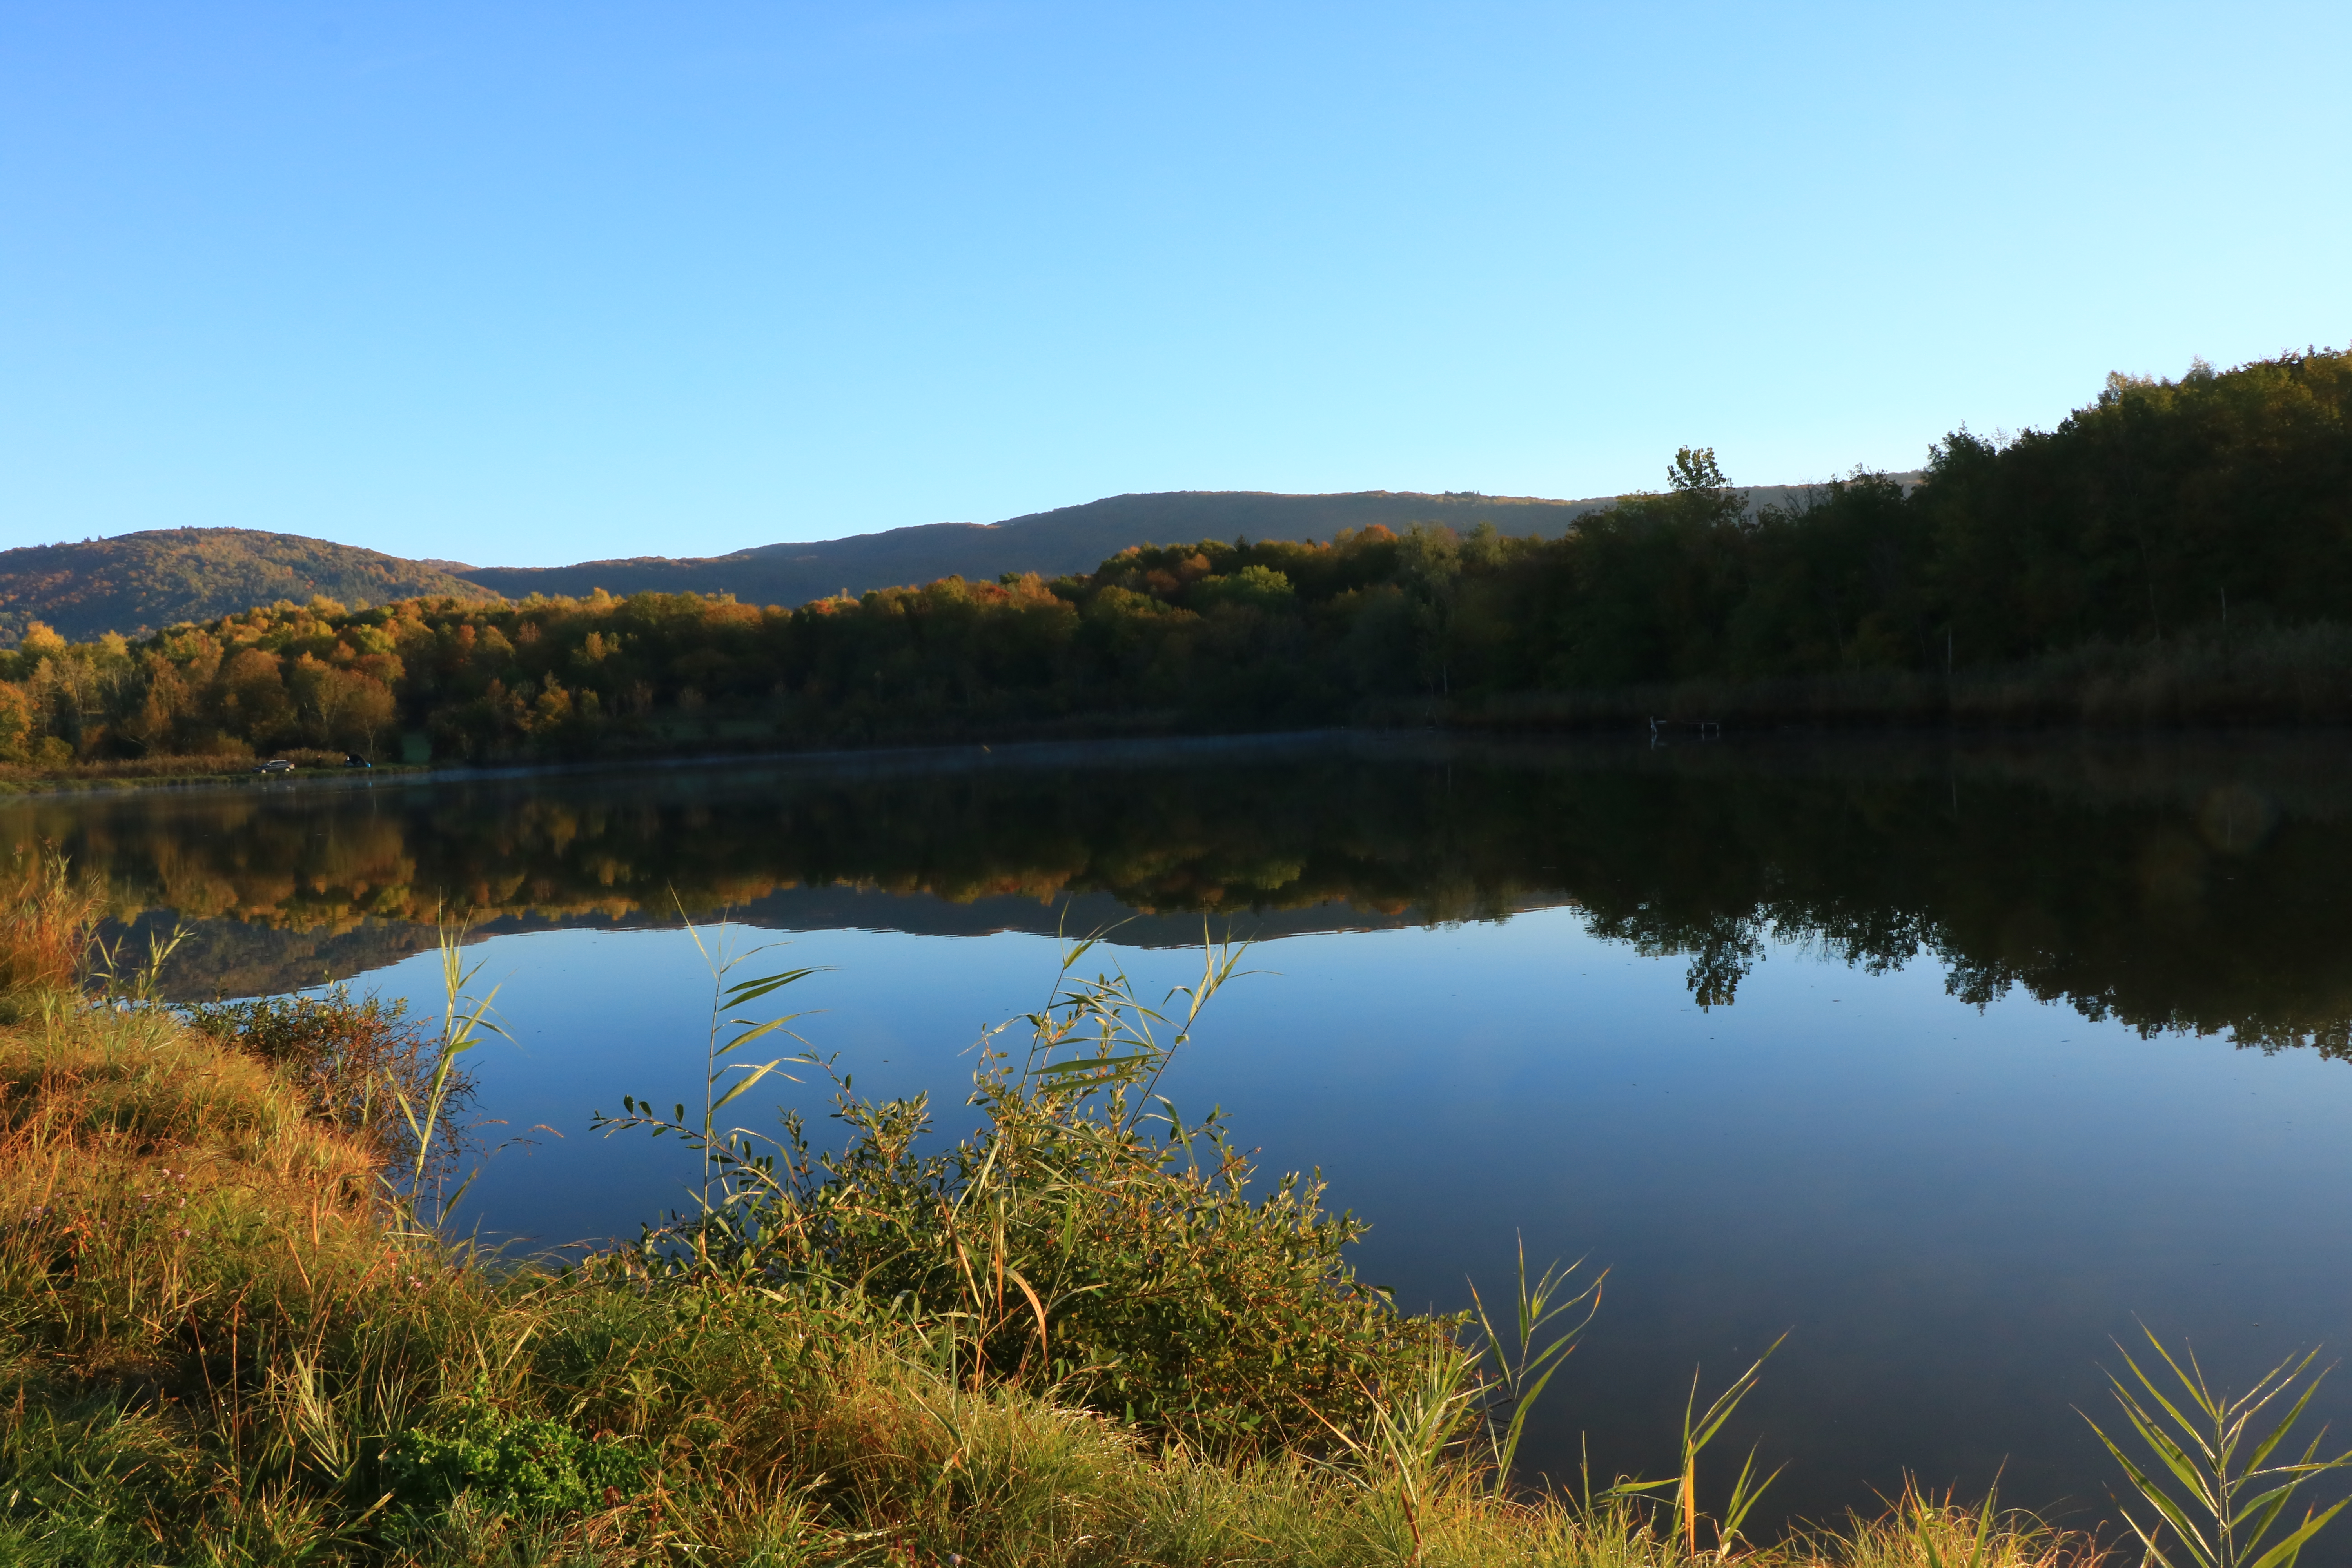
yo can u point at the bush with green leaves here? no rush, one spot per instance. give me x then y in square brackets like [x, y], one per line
[1083, 1236]
[517, 1464]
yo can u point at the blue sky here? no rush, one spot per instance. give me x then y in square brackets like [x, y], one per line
[521, 284]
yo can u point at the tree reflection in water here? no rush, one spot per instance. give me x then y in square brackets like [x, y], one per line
[2181, 884]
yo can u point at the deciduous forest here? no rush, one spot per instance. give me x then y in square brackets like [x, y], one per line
[2175, 551]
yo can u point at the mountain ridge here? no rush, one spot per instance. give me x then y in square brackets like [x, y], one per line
[1063, 540]
[138, 584]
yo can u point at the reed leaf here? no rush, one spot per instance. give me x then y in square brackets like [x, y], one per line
[2235, 1497]
[1518, 1377]
[1698, 1431]
[466, 1024]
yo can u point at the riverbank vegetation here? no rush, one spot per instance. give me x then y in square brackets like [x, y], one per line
[2177, 551]
[230, 1340]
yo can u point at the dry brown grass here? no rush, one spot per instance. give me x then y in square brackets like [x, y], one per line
[139, 1165]
[46, 913]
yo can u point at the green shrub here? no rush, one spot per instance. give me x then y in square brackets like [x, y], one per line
[1082, 1238]
[518, 1464]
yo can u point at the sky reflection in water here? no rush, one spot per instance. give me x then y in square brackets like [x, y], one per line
[1950, 1210]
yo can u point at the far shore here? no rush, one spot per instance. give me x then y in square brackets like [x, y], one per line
[2211, 742]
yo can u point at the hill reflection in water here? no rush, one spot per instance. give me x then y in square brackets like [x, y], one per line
[2190, 885]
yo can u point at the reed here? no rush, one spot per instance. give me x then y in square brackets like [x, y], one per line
[427, 1098]
[1513, 1374]
[47, 913]
[2231, 1494]
[1683, 1516]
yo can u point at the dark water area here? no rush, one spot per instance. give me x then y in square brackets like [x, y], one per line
[1950, 1060]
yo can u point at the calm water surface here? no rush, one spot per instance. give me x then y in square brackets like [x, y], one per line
[1947, 1060]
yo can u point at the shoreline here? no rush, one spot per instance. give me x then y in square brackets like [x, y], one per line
[1115, 750]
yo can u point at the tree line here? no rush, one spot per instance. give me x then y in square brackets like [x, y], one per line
[2166, 512]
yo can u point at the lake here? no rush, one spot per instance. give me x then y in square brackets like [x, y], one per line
[1950, 1058]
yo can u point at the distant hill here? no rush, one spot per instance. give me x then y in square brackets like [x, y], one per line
[141, 583]
[1065, 540]
[1068, 538]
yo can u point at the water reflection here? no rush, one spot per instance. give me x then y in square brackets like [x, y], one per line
[2182, 886]
[1953, 1199]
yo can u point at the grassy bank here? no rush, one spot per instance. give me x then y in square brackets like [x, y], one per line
[229, 1336]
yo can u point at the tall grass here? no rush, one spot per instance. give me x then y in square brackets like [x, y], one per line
[1682, 1513]
[1928, 1532]
[47, 914]
[1513, 1374]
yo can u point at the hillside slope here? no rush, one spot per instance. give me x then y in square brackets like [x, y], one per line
[139, 583]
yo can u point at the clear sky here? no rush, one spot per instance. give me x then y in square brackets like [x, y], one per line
[523, 284]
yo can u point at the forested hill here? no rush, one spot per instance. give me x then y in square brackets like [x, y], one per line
[138, 584]
[2174, 552]
[141, 583]
[1068, 539]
